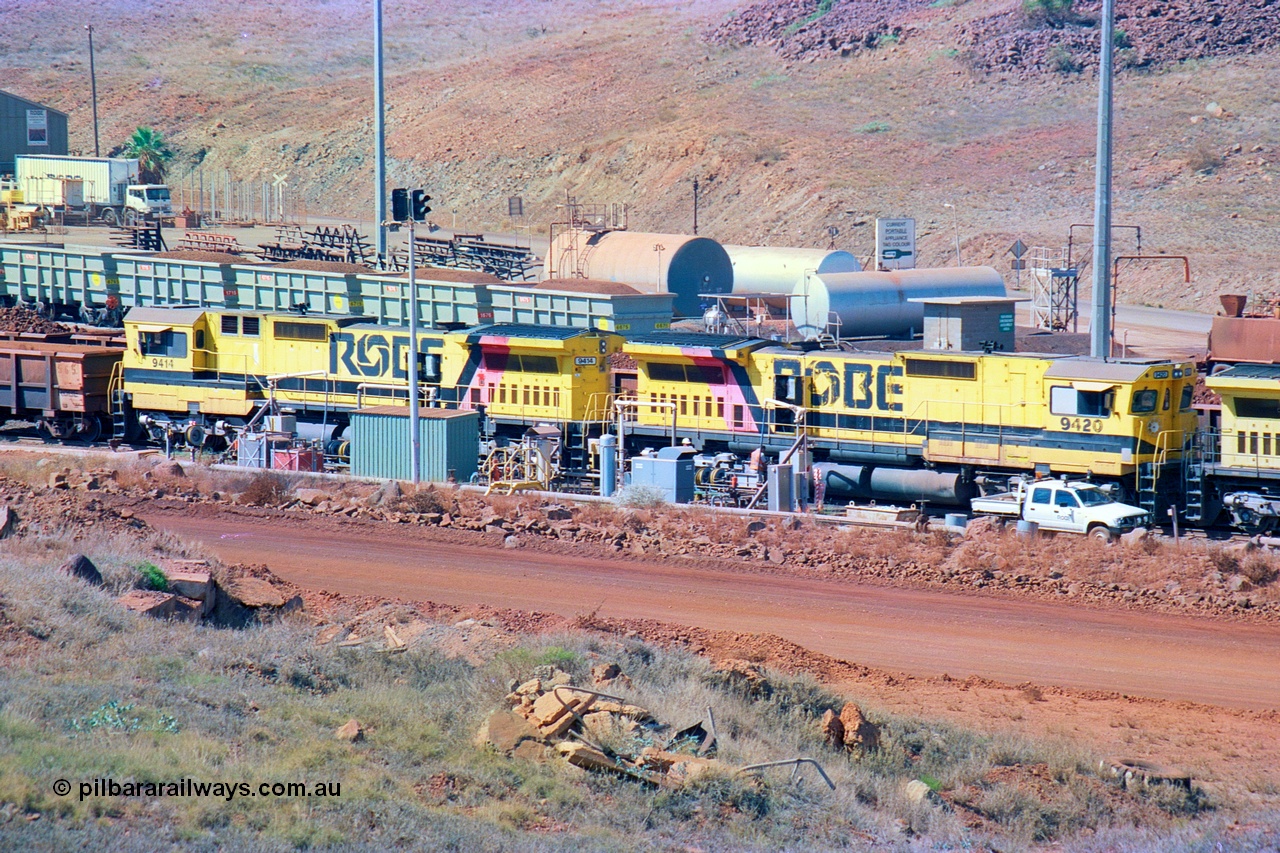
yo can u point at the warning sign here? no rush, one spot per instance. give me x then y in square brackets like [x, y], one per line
[896, 244]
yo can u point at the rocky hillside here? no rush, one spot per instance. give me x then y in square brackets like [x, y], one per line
[794, 121]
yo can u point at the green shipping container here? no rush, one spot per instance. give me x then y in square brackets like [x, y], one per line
[450, 441]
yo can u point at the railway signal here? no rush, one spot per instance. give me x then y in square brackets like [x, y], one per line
[419, 205]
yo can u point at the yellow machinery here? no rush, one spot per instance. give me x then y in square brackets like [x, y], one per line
[195, 365]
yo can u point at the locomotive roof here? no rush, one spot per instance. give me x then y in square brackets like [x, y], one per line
[526, 330]
[694, 339]
[1127, 370]
[1249, 371]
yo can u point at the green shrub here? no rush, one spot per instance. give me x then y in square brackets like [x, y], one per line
[1050, 12]
[153, 577]
[873, 127]
[1061, 60]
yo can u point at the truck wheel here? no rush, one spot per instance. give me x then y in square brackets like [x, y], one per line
[1101, 533]
[110, 218]
[130, 217]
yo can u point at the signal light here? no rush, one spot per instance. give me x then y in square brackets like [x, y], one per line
[400, 204]
[419, 205]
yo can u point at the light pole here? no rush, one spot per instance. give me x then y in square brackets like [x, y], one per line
[1100, 315]
[955, 221]
[93, 85]
[380, 134]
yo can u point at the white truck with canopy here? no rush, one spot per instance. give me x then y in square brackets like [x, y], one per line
[1065, 507]
[105, 188]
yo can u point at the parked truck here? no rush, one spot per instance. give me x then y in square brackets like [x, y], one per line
[100, 188]
[1064, 507]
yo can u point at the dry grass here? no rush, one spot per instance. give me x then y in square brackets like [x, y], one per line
[173, 700]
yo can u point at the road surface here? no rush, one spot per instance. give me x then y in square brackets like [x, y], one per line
[903, 630]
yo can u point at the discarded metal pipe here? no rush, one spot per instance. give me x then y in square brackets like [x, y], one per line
[794, 762]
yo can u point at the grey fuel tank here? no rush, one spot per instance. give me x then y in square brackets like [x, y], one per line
[877, 304]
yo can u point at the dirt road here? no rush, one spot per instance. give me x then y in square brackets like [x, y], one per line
[912, 631]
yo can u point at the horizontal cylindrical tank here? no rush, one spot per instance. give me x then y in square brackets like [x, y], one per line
[764, 269]
[651, 263]
[916, 485]
[877, 304]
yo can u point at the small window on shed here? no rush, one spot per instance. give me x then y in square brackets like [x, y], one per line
[230, 324]
[249, 326]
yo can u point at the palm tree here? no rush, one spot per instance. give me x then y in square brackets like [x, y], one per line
[153, 154]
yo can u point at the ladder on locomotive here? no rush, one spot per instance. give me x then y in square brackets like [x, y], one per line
[118, 402]
[1150, 474]
[1193, 461]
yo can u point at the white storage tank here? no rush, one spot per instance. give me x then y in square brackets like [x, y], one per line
[765, 269]
[651, 263]
[879, 304]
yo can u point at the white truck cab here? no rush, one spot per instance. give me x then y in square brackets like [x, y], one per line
[149, 200]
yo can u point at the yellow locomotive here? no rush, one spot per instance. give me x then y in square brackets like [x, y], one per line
[912, 425]
[200, 372]
[923, 425]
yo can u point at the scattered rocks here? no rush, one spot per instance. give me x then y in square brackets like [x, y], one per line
[80, 566]
[832, 729]
[387, 494]
[350, 732]
[8, 522]
[310, 497]
[743, 677]
[504, 731]
[158, 605]
[918, 792]
[859, 732]
[169, 468]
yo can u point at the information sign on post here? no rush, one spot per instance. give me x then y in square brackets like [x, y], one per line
[896, 244]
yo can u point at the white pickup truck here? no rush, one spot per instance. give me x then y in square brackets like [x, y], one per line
[1064, 507]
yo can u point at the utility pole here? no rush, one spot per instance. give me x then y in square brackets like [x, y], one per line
[1100, 318]
[415, 441]
[380, 143]
[695, 207]
[93, 85]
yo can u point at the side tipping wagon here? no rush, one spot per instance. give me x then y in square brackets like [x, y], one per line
[64, 389]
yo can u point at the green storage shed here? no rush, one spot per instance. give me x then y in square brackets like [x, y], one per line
[450, 442]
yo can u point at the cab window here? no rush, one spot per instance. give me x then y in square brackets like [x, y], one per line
[168, 343]
[1040, 496]
[1185, 405]
[1144, 401]
[1065, 499]
[1065, 400]
[1168, 399]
